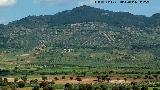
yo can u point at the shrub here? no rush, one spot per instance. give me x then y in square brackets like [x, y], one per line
[82, 87]
[56, 78]
[43, 84]
[89, 87]
[36, 88]
[135, 88]
[5, 80]
[115, 88]
[103, 87]
[68, 86]
[15, 79]
[63, 77]
[78, 79]
[52, 82]
[144, 88]
[155, 89]
[44, 78]
[21, 84]
[71, 78]
[24, 78]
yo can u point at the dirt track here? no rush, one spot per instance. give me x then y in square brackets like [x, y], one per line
[85, 80]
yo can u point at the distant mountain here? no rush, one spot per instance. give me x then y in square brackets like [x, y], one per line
[89, 14]
[31, 31]
[93, 34]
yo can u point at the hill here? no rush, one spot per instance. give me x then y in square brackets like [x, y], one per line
[93, 35]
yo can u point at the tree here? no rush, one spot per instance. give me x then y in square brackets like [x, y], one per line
[144, 88]
[118, 79]
[52, 82]
[43, 84]
[103, 78]
[108, 79]
[21, 84]
[44, 78]
[68, 86]
[135, 87]
[13, 87]
[103, 87]
[133, 83]
[78, 79]
[5, 80]
[89, 87]
[36, 88]
[98, 78]
[115, 88]
[56, 78]
[155, 89]
[48, 87]
[15, 79]
[125, 79]
[82, 87]
[97, 88]
[63, 77]
[122, 88]
[71, 78]
[1, 79]
[24, 78]
[4, 88]
[156, 77]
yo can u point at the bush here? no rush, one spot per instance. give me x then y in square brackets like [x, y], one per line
[135, 88]
[103, 87]
[63, 77]
[122, 88]
[21, 84]
[24, 78]
[36, 88]
[78, 79]
[68, 86]
[5, 80]
[56, 78]
[144, 88]
[48, 87]
[43, 84]
[15, 79]
[71, 78]
[82, 87]
[115, 88]
[89, 87]
[52, 82]
[4, 88]
[44, 78]
[155, 89]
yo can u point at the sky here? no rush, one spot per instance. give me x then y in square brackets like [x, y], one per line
[11, 10]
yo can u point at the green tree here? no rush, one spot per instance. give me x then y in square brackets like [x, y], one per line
[24, 78]
[68, 86]
[44, 78]
[144, 88]
[36, 88]
[21, 84]
[43, 84]
[56, 78]
[125, 79]
[71, 78]
[15, 79]
[63, 77]
[98, 78]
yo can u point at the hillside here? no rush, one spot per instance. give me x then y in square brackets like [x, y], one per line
[89, 14]
[96, 36]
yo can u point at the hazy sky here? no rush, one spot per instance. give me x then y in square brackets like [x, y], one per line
[16, 9]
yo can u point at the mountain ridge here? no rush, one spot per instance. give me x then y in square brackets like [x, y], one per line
[85, 35]
[90, 14]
